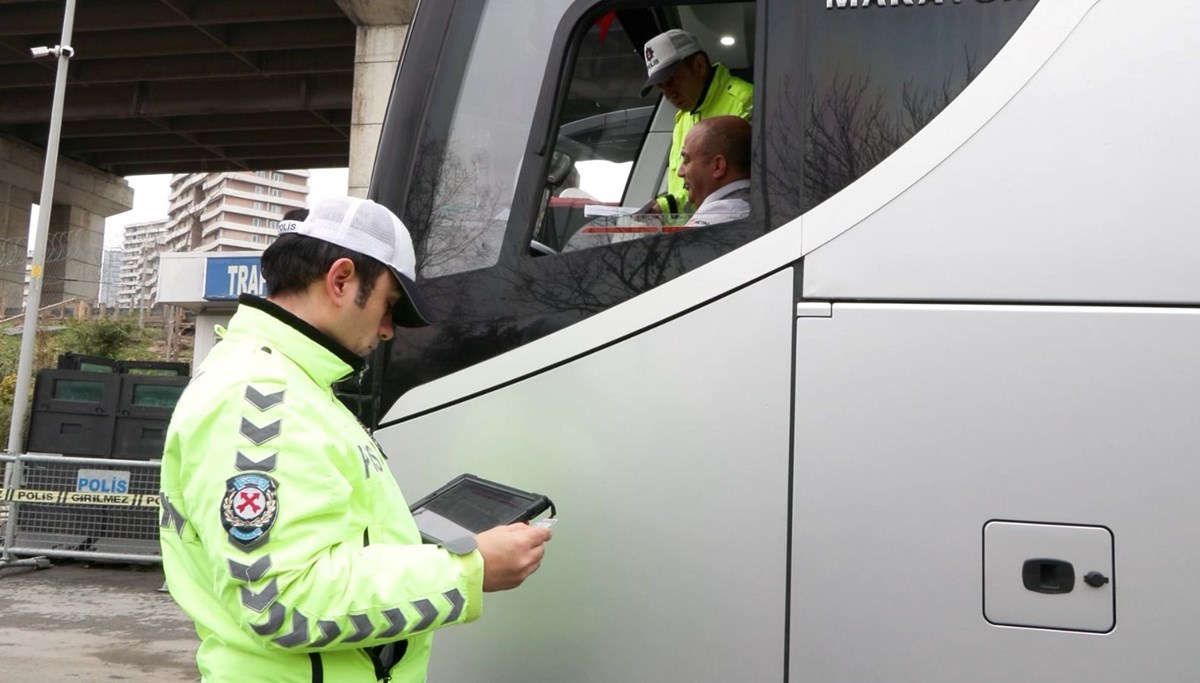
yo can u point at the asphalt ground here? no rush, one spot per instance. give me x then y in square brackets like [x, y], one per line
[92, 622]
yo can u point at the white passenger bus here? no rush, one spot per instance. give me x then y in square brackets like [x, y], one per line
[931, 413]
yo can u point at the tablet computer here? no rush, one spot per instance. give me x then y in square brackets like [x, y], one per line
[468, 505]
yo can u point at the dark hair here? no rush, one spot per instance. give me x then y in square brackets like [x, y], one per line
[293, 262]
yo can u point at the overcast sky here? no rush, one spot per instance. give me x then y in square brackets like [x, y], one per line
[150, 200]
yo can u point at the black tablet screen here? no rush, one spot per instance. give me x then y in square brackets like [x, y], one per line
[477, 507]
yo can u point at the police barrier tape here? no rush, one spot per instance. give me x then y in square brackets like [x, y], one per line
[137, 500]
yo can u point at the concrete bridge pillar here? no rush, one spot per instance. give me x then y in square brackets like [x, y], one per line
[15, 204]
[73, 254]
[83, 198]
[382, 29]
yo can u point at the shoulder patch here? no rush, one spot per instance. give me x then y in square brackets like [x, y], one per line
[249, 509]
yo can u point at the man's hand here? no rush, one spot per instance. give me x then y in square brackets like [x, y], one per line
[510, 554]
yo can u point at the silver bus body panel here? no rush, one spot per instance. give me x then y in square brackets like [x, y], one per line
[916, 425]
[1079, 189]
[667, 456]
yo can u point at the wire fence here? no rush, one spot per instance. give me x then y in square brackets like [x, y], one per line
[14, 251]
[82, 508]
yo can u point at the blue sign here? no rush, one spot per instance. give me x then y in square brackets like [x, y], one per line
[227, 278]
[102, 481]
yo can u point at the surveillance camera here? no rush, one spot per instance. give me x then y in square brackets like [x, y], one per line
[41, 52]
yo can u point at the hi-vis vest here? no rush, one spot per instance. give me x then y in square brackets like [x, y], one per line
[284, 535]
[727, 95]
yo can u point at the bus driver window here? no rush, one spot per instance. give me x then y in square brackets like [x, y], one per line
[620, 140]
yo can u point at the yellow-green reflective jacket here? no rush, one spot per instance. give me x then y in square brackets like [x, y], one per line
[284, 535]
[727, 95]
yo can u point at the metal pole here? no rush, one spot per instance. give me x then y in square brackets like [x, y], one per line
[28, 334]
[63, 51]
[13, 480]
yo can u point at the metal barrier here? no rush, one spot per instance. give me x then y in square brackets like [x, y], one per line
[84, 508]
[4, 470]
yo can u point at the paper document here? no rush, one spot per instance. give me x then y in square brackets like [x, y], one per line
[599, 210]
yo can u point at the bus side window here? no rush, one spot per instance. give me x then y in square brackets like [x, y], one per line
[613, 146]
[859, 84]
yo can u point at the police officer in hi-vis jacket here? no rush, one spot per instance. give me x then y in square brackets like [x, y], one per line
[284, 535]
[699, 89]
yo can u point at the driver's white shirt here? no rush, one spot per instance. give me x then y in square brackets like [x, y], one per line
[726, 204]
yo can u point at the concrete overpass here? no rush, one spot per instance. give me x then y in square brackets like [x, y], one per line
[182, 86]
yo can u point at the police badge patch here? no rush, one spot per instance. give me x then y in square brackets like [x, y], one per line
[248, 509]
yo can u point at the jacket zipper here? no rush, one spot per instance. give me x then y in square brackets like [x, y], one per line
[380, 674]
[318, 667]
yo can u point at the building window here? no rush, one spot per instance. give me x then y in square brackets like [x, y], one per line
[277, 176]
[276, 192]
[274, 208]
[258, 189]
[258, 206]
[257, 222]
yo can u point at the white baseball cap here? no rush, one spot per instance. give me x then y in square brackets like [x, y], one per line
[372, 230]
[663, 54]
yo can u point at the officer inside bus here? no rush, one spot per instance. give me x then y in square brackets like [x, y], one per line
[699, 89]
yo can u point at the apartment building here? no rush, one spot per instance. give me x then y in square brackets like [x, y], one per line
[110, 276]
[138, 279]
[208, 212]
[231, 211]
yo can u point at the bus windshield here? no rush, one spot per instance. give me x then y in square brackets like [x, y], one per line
[463, 187]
